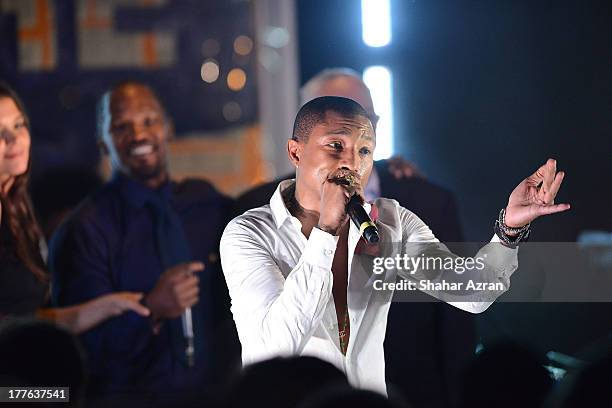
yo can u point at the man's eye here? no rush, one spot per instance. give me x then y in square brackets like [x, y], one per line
[119, 128]
[19, 125]
[335, 145]
[365, 151]
[148, 122]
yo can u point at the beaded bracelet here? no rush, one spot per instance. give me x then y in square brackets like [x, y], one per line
[510, 235]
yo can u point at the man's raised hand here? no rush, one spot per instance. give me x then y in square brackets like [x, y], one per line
[535, 196]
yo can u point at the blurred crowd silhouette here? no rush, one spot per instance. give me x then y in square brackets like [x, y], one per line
[505, 375]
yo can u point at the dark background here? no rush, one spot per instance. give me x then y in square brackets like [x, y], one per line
[61, 103]
[485, 92]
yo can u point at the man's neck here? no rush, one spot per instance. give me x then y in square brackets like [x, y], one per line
[308, 217]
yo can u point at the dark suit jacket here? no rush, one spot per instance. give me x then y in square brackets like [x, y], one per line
[427, 343]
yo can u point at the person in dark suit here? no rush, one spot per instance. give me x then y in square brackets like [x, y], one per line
[144, 231]
[419, 327]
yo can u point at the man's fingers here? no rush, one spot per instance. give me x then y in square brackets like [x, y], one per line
[554, 188]
[187, 293]
[401, 168]
[346, 189]
[550, 169]
[190, 301]
[190, 282]
[188, 267]
[538, 176]
[193, 267]
[185, 270]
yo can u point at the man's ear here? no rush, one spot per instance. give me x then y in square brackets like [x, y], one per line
[294, 151]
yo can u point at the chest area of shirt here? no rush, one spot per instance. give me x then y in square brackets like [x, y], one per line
[135, 258]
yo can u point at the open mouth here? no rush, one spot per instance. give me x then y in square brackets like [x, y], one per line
[142, 150]
[345, 177]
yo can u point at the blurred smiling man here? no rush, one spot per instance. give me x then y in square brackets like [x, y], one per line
[145, 232]
[134, 131]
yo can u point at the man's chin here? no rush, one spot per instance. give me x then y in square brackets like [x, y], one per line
[147, 173]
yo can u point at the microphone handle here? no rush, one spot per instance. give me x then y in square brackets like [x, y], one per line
[362, 220]
[187, 321]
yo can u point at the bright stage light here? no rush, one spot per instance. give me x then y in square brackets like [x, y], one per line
[378, 80]
[376, 22]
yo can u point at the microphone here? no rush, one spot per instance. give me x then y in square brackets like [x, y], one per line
[187, 322]
[362, 220]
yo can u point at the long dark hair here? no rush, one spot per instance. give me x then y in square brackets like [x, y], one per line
[17, 208]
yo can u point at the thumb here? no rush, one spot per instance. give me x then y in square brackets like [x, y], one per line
[551, 209]
[194, 266]
[184, 270]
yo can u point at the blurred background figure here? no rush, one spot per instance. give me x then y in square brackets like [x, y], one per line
[505, 375]
[24, 280]
[283, 382]
[58, 191]
[586, 384]
[145, 232]
[344, 396]
[35, 353]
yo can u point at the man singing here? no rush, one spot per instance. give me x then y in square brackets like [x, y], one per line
[288, 264]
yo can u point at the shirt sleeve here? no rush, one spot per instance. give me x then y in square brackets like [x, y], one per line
[275, 315]
[485, 280]
[80, 263]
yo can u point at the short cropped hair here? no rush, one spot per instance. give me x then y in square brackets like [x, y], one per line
[315, 112]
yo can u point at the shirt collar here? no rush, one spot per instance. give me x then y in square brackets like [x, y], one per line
[279, 210]
[138, 194]
[277, 205]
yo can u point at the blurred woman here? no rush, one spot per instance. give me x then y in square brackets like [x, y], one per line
[24, 281]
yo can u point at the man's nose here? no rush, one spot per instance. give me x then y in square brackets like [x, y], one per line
[138, 132]
[349, 160]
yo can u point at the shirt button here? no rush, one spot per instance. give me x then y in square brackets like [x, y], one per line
[328, 252]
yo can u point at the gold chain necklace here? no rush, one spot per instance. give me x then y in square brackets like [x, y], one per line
[343, 332]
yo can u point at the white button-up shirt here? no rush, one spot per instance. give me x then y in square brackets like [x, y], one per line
[280, 284]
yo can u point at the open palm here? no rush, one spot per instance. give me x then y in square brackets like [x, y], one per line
[535, 196]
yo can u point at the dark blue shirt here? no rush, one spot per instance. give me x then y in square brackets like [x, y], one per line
[108, 245]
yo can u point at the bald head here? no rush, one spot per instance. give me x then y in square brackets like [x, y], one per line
[342, 82]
